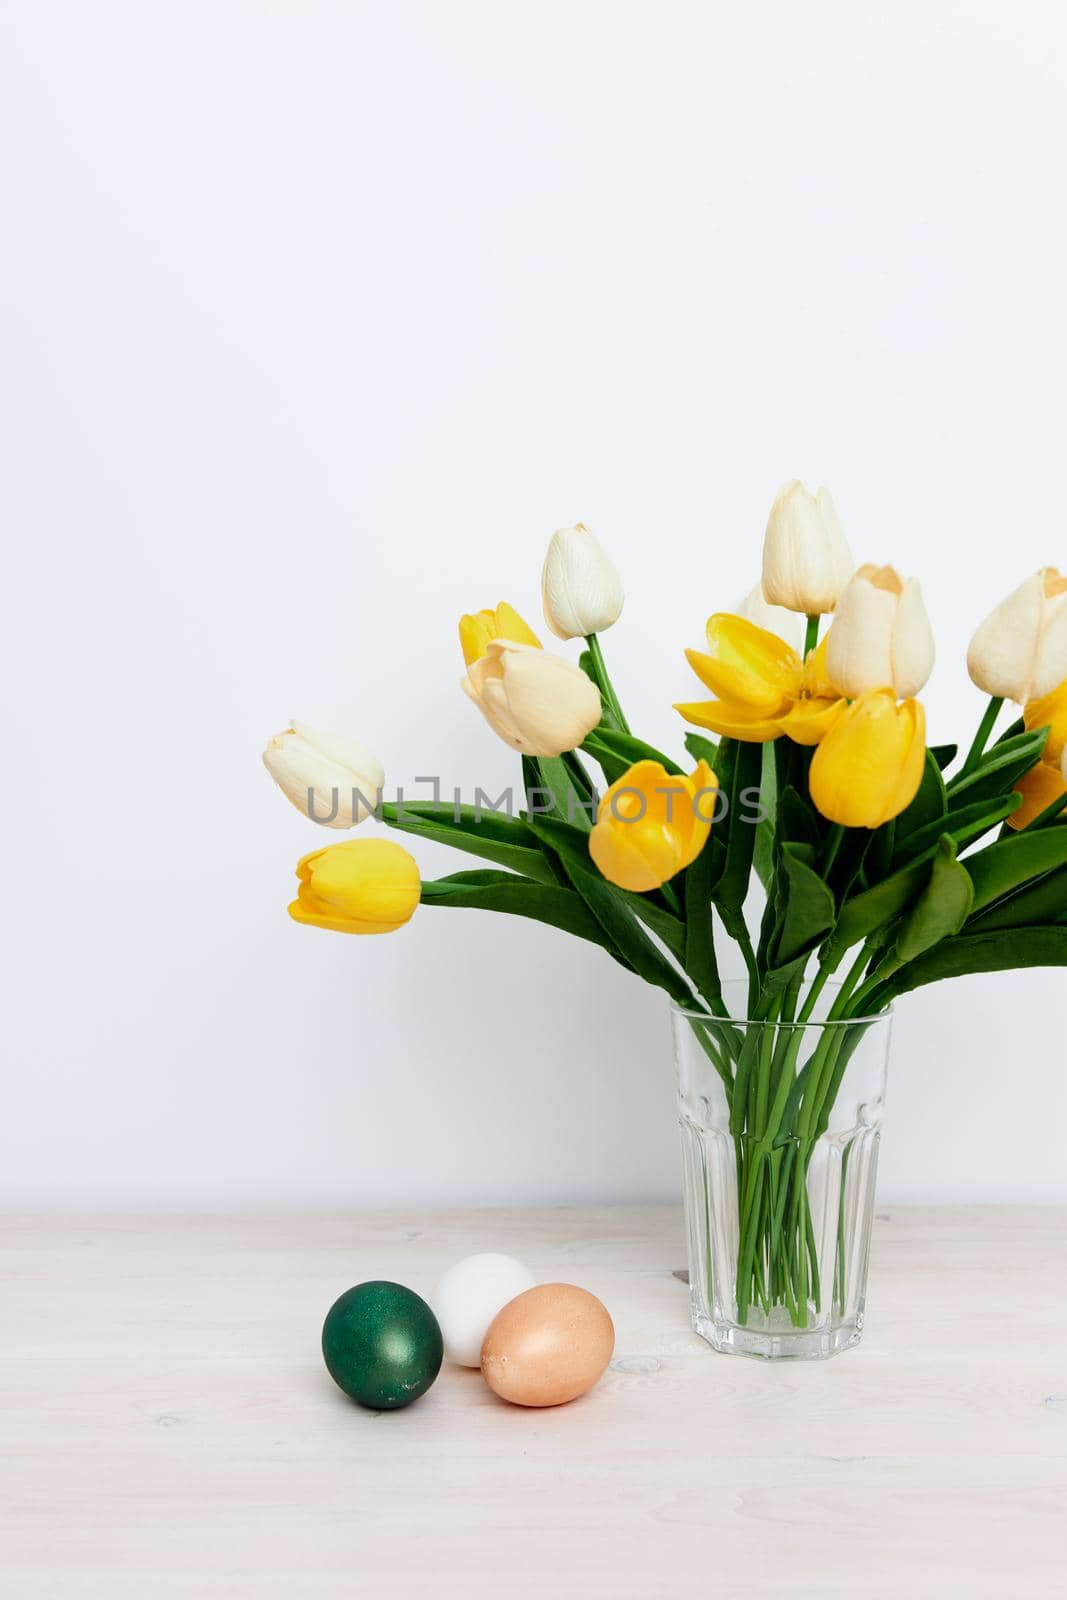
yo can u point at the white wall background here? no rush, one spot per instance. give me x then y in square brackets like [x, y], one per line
[319, 319]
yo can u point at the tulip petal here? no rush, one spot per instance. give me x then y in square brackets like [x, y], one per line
[580, 589]
[859, 645]
[748, 665]
[701, 783]
[1001, 655]
[868, 767]
[775, 619]
[361, 886]
[808, 721]
[1050, 667]
[621, 861]
[913, 643]
[551, 704]
[315, 919]
[477, 629]
[806, 559]
[509, 625]
[1038, 787]
[730, 720]
[1050, 711]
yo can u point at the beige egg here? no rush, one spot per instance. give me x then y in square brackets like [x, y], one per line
[548, 1345]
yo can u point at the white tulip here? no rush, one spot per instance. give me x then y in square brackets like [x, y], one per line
[580, 588]
[881, 636]
[332, 780]
[787, 625]
[1020, 651]
[537, 702]
[806, 559]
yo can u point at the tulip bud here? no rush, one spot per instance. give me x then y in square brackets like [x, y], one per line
[806, 560]
[1020, 651]
[881, 636]
[360, 886]
[755, 608]
[332, 780]
[580, 588]
[538, 703]
[650, 824]
[870, 763]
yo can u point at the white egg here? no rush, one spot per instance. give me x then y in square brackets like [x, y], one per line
[469, 1296]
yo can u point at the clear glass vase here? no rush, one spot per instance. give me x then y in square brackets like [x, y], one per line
[780, 1127]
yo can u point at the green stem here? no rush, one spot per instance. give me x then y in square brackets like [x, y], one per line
[981, 738]
[604, 684]
[811, 635]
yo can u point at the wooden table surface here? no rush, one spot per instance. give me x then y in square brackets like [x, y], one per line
[168, 1427]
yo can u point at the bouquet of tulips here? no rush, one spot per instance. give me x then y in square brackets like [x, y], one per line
[881, 860]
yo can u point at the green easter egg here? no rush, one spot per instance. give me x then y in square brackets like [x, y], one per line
[382, 1345]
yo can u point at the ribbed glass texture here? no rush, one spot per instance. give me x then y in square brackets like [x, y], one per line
[780, 1127]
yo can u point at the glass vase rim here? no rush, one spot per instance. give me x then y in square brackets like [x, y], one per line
[691, 1012]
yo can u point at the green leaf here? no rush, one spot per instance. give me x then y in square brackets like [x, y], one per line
[492, 835]
[548, 777]
[940, 910]
[628, 938]
[740, 827]
[977, 952]
[763, 853]
[1000, 868]
[519, 897]
[944, 755]
[873, 908]
[572, 847]
[962, 824]
[1001, 767]
[807, 912]
[797, 820]
[702, 749]
[479, 878]
[617, 752]
[929, 805]
[1043, 900]
[699, 955]
[725, 761]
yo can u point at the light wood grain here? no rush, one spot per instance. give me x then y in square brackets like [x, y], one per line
[169, 1430]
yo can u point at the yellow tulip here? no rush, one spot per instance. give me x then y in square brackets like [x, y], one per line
[360, 886]
[650, 824]
[763, 687]
[477, 629]
[868, 768]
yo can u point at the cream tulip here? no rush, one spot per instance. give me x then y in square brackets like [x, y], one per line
[756, 608]
[1020, 651]
[537, 702]
[580, 588]
[806, 559]
[332, 780]
[881, 636]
